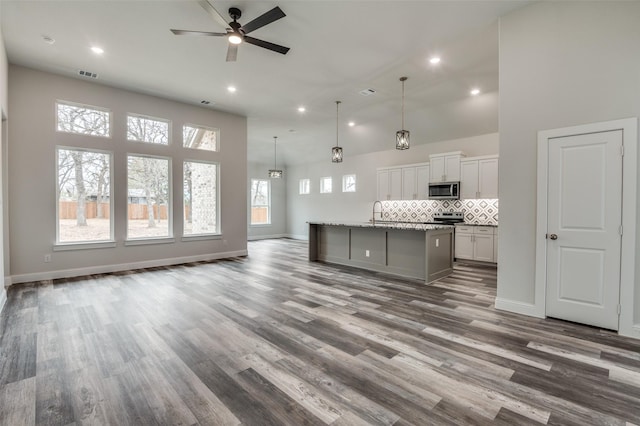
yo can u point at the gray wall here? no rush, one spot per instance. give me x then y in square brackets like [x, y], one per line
[357, 206]
[561, 64]
[4, 113]
[278, 226]
[32, 202]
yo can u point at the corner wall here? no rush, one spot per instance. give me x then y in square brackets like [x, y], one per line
[356, 206]
[32, 192]
[561, 64]
[4, 113]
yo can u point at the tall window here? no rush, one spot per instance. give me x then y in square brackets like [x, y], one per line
[260, 202]
[200, 198]
[305, 186]
[147, 129]
[82, 119]
[325, 185]
[149, 213]
[84, 196]
[349, 183]
[199, 137]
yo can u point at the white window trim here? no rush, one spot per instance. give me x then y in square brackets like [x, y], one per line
[308, 181]
[148, 117]
[133, 241]
[81, 105]
[212, 235]
[344, 181]
[260, 225]
[77, 245]
[322, 188]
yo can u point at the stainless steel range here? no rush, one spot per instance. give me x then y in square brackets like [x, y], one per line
[448, 218]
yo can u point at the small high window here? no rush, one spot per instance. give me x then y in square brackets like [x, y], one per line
[199, 137]
[305, 186]
[325, 185]
[83, 119]
[349, 183]
[147, 129]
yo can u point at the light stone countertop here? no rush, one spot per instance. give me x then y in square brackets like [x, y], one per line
[386, 225]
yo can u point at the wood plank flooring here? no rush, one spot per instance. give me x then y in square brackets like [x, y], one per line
[272, 339]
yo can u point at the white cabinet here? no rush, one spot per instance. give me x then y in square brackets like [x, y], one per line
[479, 178]
[495, 246]
[415, 181]
[390, 184]
[445, 167]
[475, 243]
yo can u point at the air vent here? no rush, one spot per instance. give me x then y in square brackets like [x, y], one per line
[87, 74]
[367, 92]
[205, 102]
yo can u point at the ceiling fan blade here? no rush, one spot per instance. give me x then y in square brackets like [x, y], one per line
[214, 13]
[232, 52]
[197, 33]
[262, 20]
[266, 45]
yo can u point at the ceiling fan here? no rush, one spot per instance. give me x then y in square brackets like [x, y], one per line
[237, 33]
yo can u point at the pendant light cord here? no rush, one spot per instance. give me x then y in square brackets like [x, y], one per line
[275, 151]
[403, 79]
[337, 106]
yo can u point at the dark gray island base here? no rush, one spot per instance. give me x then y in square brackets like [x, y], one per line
[408, 250]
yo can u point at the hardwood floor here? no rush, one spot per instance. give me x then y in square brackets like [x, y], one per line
[274, 339]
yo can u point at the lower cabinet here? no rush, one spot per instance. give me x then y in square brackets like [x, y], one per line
[475, 243]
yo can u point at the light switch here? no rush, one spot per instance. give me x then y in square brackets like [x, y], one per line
[437, 242]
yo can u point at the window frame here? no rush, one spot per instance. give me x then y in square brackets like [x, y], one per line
[323, 190]
[128, 241]
[73, 245]
[81, 105]
[212, 235]
[344, 183]
[308, 186]
[217, 131]
[268, 223]
[148, 117]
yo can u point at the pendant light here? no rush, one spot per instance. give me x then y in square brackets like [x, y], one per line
[402, 136]
[275, 173]
[336, 151]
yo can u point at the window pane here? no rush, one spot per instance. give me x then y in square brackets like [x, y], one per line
[200, 198]
[260, 202]
[198, 137]
[325, 185]
[305, 186]
[148, 197]
[84, 185]
[144, 129]
[349, 183]
[82, 119]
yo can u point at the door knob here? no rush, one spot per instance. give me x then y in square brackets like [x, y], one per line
[553, 236]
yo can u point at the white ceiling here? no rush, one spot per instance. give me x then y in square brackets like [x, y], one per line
[338, 48]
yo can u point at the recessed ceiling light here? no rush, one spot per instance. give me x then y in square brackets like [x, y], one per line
[434, 60]
[301, 109]
[351, 124]
[97, 50]
[48, 39]
[475, 92]
[292, 130]
[231, 89]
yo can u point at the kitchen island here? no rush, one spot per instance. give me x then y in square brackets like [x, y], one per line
[411, 250]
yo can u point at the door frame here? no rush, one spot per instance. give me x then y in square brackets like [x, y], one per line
[629, 127]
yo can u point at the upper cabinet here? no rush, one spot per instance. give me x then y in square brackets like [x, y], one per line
[479, 177]
[445, 167]
[403, 183]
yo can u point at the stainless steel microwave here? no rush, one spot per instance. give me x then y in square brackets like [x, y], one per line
[444, 191]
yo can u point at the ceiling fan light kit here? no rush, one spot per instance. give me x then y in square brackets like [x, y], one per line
[336, 151]
[237, 33]
[402, 136]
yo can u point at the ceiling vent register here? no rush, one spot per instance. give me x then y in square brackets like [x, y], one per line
[87, 74]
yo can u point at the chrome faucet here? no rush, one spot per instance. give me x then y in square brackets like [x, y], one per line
[373, 213]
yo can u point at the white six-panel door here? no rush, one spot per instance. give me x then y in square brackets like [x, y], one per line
[584, 216]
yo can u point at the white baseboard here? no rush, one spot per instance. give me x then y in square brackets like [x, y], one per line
[3, 298]
[633, 331]
[298, 237]
[519, 307]
[104, 269]
[265, 237]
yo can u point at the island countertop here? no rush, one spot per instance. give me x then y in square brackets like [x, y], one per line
[410, 226]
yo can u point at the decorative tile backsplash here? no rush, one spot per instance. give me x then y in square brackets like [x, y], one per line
[476, 212]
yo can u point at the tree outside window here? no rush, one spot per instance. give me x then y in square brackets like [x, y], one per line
[200, 198]
[349, 183]
[82, 119]
[199, 137]
[260, 202]
[146, 129]
[84, 196]
[148, 197]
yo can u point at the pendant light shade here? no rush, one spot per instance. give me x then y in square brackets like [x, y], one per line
[275, 173]
[336, 151]
[402, 136]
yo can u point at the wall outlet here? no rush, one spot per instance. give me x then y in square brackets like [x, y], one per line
[47, 258]
[366, 253]
[437, 242]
